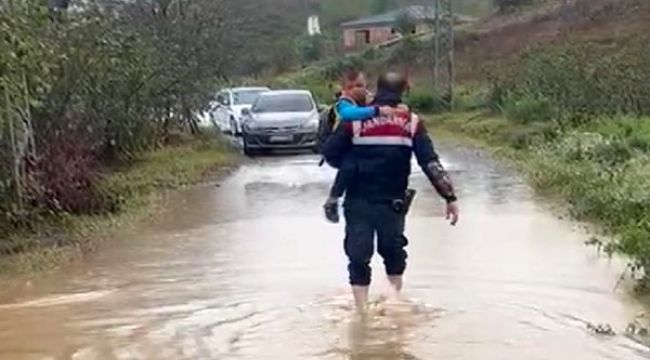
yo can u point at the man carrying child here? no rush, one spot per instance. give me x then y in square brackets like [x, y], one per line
[372, 148]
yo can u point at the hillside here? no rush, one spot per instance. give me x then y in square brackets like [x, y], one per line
[497, 39]
[333, 12]
[503, 36]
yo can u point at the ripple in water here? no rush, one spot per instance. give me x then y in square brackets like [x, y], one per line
[386, 331]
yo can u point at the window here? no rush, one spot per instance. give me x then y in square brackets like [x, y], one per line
[283, 103]
[223, 99]
[246, 97]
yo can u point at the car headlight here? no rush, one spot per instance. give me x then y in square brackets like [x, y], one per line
[311, 124]
[249, 124]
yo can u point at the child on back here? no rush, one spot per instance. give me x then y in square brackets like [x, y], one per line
[352, 106]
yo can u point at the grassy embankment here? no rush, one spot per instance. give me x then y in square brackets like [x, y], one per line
[567, 97]
[60, 238]
[573, 109]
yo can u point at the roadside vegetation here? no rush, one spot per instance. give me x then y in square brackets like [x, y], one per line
[576, 115]
[95, 98]
[137, 187]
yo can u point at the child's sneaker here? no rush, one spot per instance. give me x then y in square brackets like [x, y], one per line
[331, 208]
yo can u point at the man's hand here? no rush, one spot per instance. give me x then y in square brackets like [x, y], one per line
[452, 213]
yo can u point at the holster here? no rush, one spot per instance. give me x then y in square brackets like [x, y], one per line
[402, 206]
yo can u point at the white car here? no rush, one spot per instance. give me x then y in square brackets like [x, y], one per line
[225, 112]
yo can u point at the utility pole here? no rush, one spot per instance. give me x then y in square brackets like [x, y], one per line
[443, 43]
[436, 43]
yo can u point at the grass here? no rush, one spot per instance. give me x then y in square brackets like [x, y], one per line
[601, 169]
[64, 238]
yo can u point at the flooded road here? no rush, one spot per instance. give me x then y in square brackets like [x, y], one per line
[249, 269]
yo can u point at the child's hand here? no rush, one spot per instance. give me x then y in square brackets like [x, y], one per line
[387, 111]
[403, 108]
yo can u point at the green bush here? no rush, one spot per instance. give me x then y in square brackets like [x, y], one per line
[81, 91]
[633, 130]
[523, 137]
[426, 101]
[605, 179]
[491, 129]
[601, 169]
[528, 108]
[582, 80]
[470, 99]
[581, 109]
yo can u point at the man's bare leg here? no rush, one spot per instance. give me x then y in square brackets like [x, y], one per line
[360, 294]
[396, 282]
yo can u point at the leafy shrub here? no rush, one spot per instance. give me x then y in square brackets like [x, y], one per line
[426, 101]
[582, 80]
[82, 90]
[469, 99]
[333, 69]
[67, 177]
[633, 130]
[606, 180]
[491, 128]
[583, 108]
[528, 108]
[535, 134]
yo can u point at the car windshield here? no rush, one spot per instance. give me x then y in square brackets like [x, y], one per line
[284, 103]
[246, 97]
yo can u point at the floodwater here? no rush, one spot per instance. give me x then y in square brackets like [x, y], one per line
[249, 269]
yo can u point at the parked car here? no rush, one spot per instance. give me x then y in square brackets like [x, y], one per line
[226, 110]
[284, 119]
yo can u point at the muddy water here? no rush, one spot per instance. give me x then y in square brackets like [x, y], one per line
[249, 270]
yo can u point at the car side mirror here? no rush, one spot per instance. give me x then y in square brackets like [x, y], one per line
[246, 111]
[322, 108]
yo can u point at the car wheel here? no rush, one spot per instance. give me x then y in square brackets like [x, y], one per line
[247, 150]
[233, 128]
[213, 121]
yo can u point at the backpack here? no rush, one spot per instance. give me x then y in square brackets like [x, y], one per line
[327, 124]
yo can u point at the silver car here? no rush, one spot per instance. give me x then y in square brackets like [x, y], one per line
[283, 119]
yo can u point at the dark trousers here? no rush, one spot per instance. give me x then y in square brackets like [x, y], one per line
[364, 220]
[343, 178]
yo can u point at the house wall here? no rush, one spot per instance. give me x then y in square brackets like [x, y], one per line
[377, 35]
[348, 38]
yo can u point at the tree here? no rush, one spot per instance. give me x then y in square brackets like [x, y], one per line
[405, 24]
[381, 6]
[311, 48]
[105, 83]
[507, 5]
